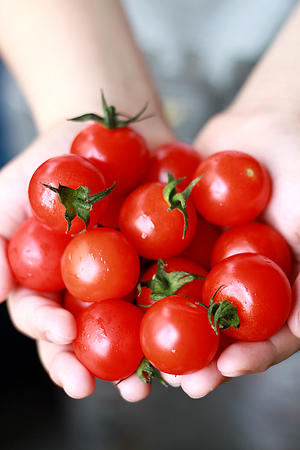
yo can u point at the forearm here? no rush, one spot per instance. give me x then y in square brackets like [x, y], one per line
[63, 53]
[275, 82]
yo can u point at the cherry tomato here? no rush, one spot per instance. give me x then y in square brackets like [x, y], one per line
[253, 237]
[235, 188]
[155, 231]
[74, 304]
[176, 336]
[34, 254]
[176, 157]
[121, 154]
[100, 264]
[107, 341]
[202, 244]
[193, 289]
[259, 289]
[110, 217]
[71, 171]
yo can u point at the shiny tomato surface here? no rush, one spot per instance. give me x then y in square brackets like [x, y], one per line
[100, 264]
[202, 244]
[259, 289]
[177, 157]
[71, 171]
[234, 189]
[34, 254]
[154, 231]
[176, 336]
[121, 154]
[253, 237]
[107, 341]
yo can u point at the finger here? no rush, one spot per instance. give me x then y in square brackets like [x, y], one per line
[7, 279]
[40, 316]
[251, 357]
[65, 369]
[294, 319]
[172, 380]
[132, 389]
[201, 383]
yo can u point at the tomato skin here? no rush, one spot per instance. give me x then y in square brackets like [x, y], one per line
[191, 290]
[201, 247]
[120, 154]
[259, 289]
[154, 231]
[107, 341]
[234, 190]
[67, 170]
[176, 336]
[34, 254]
[110, 217]
[253, 237]
[100, 264]
[177, 157]
[74, 305]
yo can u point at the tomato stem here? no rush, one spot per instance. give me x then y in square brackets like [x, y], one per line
[163, 284]
[146, 372]
[78, 202]
[111, 118]
[177, 200]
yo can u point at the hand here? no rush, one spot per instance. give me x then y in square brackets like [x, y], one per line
[274, 140]
[40, 315]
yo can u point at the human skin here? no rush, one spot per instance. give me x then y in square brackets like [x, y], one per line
[263, 121]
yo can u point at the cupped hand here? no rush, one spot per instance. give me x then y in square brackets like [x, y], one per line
[40, 315]
[274, 140]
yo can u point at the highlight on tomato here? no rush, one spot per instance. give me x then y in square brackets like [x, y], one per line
[258, 288]
[100, 264]
[235, 188]
[107, 342]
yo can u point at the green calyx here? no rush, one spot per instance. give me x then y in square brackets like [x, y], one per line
[222, 314]
[78, 202]
[146, 372]
[111, 118]
[177, 200]
[164, 284]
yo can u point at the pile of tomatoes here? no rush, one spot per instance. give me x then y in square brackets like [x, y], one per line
[136, 242]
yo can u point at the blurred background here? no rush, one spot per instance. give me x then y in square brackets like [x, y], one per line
[199, 52]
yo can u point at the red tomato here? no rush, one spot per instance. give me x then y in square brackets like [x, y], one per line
[71, 171]
[121, 154]
[74, 304]
[154, 231]
[100, 264]
[176, 157]
[235, 188]
[253, 237]
[202, 244]
[107, 341]
[110, 217]
[176, 336]
[192, 289]
[259, 289]
[34, 254]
